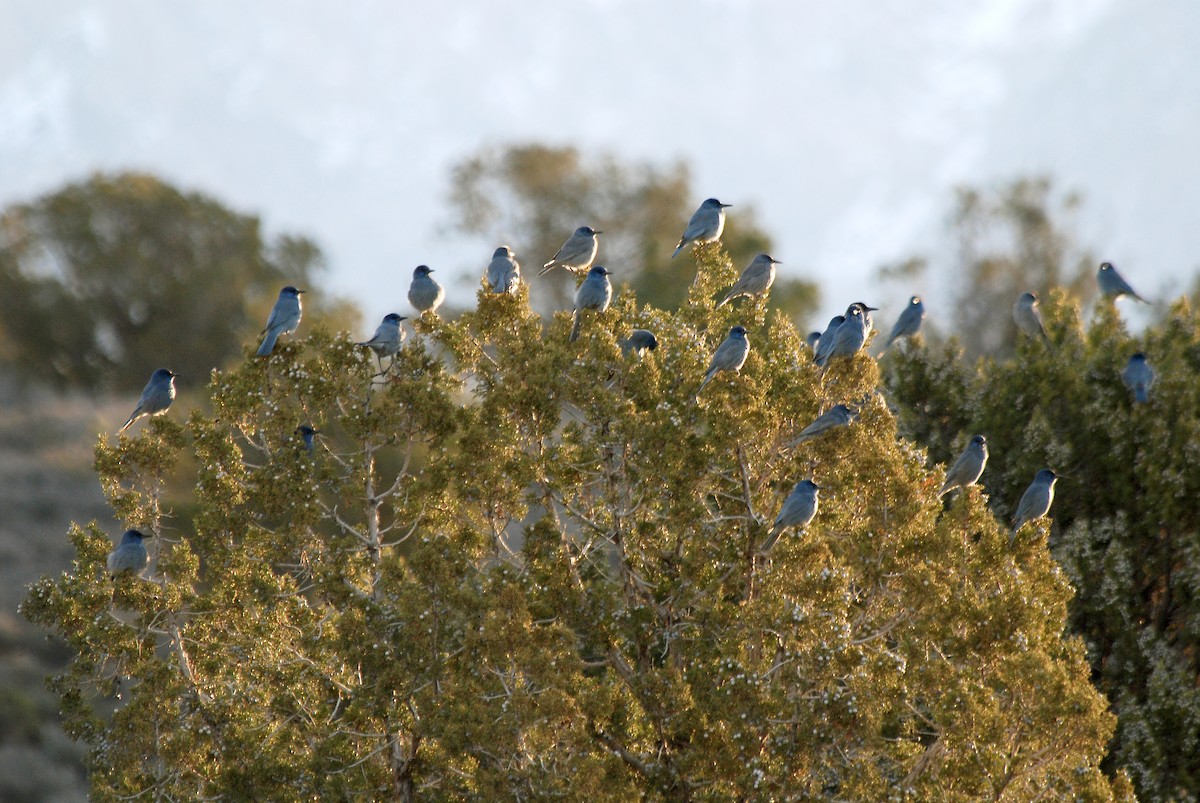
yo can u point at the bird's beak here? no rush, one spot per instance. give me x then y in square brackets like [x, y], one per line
[298, 292]
[725, 206]
[596, 232]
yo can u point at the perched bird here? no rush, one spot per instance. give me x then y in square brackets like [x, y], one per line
[705, 226]
[868, 321]
[1139, 377]
[755, 280]
[577, 253]
[595, 293]
[798, 510]
[825, 341]
[837, 416]
[425, 294]
[1028, 317]
[503, 272]
[813, 340]
[729, 356]
[1036, 500]
[129, 556]
[387, 338]
[639, 340]
[156, 396]
[968, 467]
[284, 318]
[909, 322]
[1113, 284]
[849, 338]
[307, 433]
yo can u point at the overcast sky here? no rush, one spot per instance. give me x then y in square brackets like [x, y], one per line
[845, 124]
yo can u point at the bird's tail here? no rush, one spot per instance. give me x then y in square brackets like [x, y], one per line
[678, 248]
[725, 301]
[707, 377]
[1140, 394]
[128, 423]
[268, 344]
[549, 266]
[772, 537]
[575, 328]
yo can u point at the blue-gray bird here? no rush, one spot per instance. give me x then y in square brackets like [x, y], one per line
[156, 396]
[504, 272]
[1113, 284]
[837, 416]
[594, 293]
[387, 338]
[284, 318]
[729, 356]
[1139, 377]
[909, 322]
[755, 280]
[798, 510]
[1036, 500]
[308, 434]
[825, 341]
[130, 555]
[849, 338]
[968, 467]
[639, 340]
[425, 294]
[868, 321]
[1028, 317]
[706, 225]
[812, 341]
[577, 253]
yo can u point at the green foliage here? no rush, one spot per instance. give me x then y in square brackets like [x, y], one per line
[533, 196]
[102, 281]
[516, 567]
[1126, 527]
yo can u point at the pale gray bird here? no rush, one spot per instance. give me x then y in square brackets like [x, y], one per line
[595, 293]
[504, 272]
[837, 416]
[1028, 317]
[1113, 284]
[909, 322]
[425, 294]
[577, 253]
[825, 341]
[130, 555]
[1139, 377]
[284, 318]
[387, 338]
[156, 396]
[639, 340]
[968, 467]
[797, 511]
[308, 434]
[1036, 500]
[729, 356]
[849, 338]
[706, 225]
[755, 280]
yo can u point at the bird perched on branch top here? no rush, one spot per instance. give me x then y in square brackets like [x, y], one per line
[797, 511]
[425, 294]
[1036, 500]
[130, 555]
[1028, 317]
[504, 272]
[156, 396]
[1113, 284]
[968, 468]
[577, 253]
[729, 356]
[284, 318]
[595, 293]
[755, 280]
[706, 225]
[909, 322]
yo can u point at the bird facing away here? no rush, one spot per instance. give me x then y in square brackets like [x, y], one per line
[577, 253]
[797, 511]
[968, 467]
[129, 556]
[849, 338]
[595, 293]
[425, 294]
[156, 396]
[639, 340]
[729, 356]
[837, 416]
[504, 272]
[1036, 500]
[706, 225]
[755, 280]
[387, 338]
[307, 433]
[1139, 377]
[909, 322]
[284, 318]
[1028, 317]
[825, 341]
[1113, 284]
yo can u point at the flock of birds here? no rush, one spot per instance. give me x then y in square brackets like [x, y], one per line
[845, 336]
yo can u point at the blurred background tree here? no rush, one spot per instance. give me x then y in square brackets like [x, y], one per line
[105, 280]
[532, 196]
